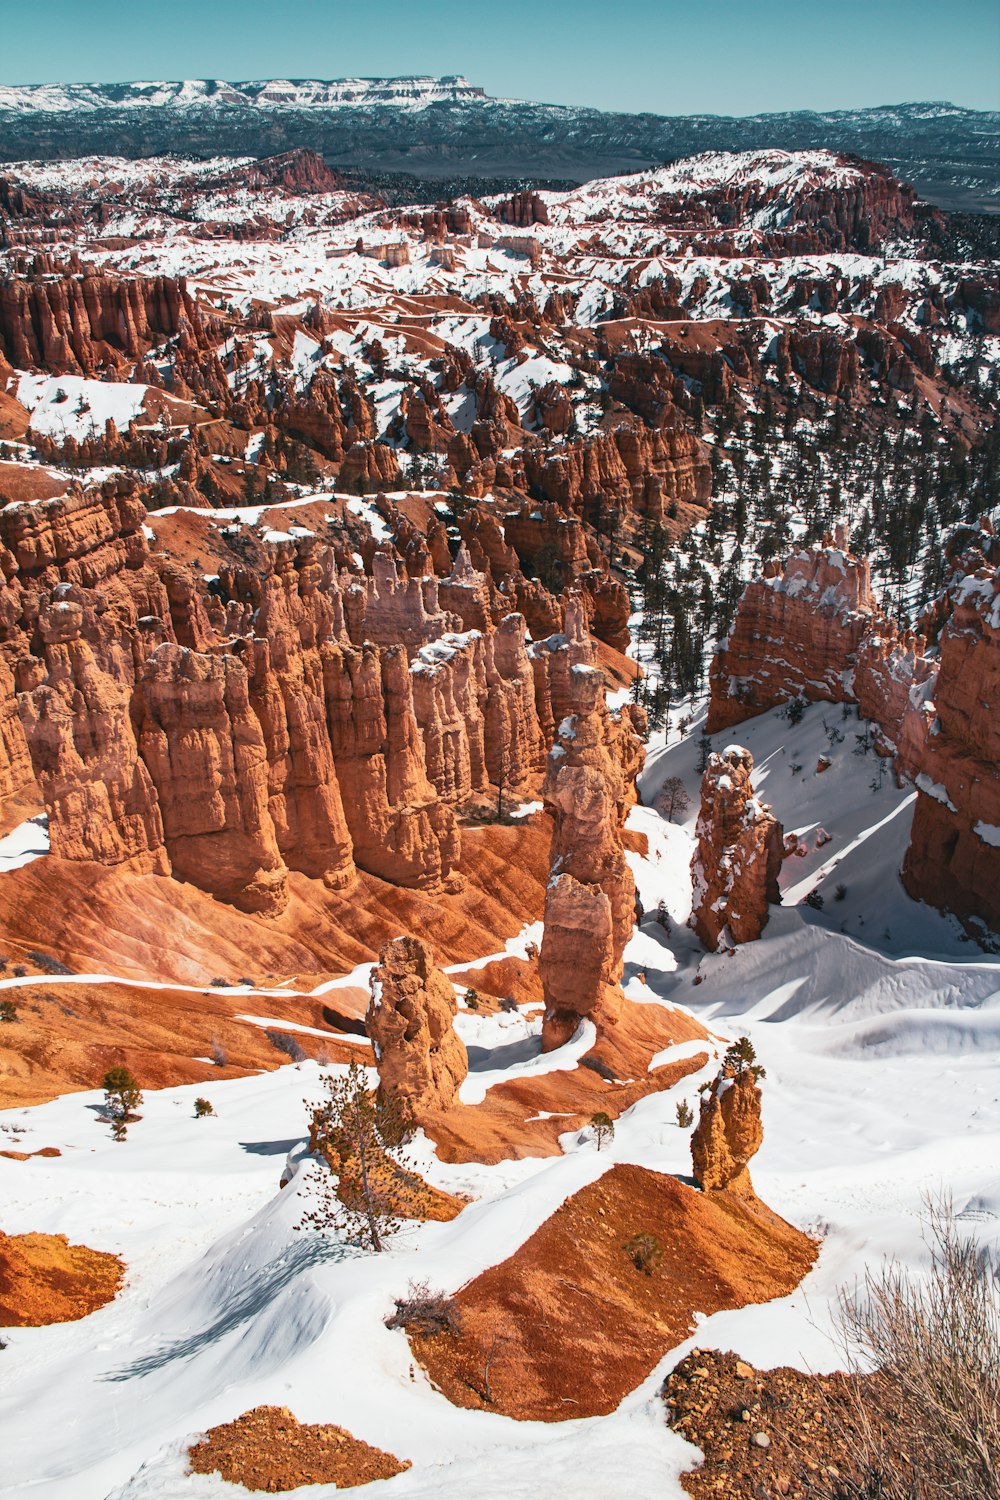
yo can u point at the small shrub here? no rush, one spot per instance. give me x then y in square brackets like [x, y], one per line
[471, 999]
[603, 1127]
[685, 1114]
[122, 1097]
[220, 984]
[815, 900]
[645, 1252]
[600, 1067]
[286, 1044]
[425, 1312]
[8, 1010]
[929, 1418]
[741, 1058]
[795, 711]
[203, 1107]
[219, 1055]
[20, 972]
[508, 1004]
[840, 893]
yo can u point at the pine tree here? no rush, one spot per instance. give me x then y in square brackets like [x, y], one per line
[359, 1137]
[122, 1097]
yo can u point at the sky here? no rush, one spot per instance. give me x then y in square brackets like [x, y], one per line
[662, 56]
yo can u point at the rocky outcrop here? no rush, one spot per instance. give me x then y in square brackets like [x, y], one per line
[736, 864]
[391, 610]
[950, 745]
[421, 1059]
[15, 760]
[80, 323]
[400, 829]
[102, 803]
[796, 635]
[205, 752]
[728, 1132]
[590, 899]
[287, 696]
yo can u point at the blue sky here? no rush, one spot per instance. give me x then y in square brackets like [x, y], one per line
[720, 57]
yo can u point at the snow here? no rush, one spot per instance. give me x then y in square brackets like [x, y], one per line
[881, 1054]
[27, 842]
[70, 406]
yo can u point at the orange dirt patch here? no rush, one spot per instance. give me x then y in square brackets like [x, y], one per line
[573, 1325]
[23, 482]
[270, 1449]
[14, 417]
[100, 920]
[44, 1279]
[27, 1155]
[508, 1123]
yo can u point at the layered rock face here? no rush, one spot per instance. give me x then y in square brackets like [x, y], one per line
[77, 324]
[15, 759]
[410, 1020]
[287, 694]
[796, 635]
[736, 864]
[590, 899]
[102, 802]
[951, 746]
[728, 1133]
[400, 829]
[205, 751]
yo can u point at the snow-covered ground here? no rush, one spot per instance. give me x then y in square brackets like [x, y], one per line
[880, 1032]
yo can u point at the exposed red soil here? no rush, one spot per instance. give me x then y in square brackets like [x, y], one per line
[269, 1449]
[97, 919]
[27, 1155]
[507, 1124]
[815, 1440]
[44, 1279]
[573, 1325]
[21, 483]
[67, 1036]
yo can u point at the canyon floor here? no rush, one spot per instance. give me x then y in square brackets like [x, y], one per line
[879, 1028]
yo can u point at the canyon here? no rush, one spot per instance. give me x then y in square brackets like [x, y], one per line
[522, 656]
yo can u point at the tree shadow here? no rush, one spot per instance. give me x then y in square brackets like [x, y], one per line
[241, 1307]
[270, 1148]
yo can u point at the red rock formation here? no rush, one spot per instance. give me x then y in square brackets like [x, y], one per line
[79, 323]
[590, 899]
[400, 829]
[420, 1056]
[728, 1133]
[736, 864]
[639, 468]
[950, 744]
[203, 745]
[449, 700]
[796, 635]
[101, 801]
[287, 695]
[15, 761]
[390, 610]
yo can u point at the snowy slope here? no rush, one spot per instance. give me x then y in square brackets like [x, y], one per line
[881, 1056]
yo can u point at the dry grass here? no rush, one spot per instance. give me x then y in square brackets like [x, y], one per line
[930, 1421]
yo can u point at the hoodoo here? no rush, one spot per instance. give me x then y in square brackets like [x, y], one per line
[738, 857]
[729, 1130]
[590, 901]
[410, 1021]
